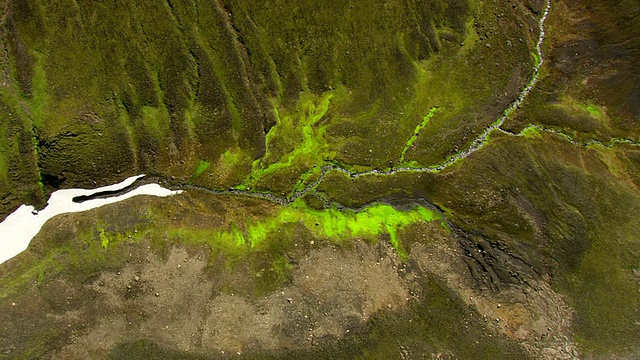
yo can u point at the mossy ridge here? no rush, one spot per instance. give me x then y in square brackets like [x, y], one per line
[235, 27]
[19, 175]
[321, 50]
[170, 77]
[166, 80]
[476, 142]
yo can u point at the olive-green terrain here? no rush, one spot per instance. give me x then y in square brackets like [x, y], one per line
[391, 180]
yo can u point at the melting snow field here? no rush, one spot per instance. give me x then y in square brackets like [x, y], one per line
[19, 228]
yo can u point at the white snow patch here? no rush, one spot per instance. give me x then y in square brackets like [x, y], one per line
[19, 228]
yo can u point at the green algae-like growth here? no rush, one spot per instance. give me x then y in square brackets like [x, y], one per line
[338, 225]
[531, 132]
[202, 166]
[334, 225]
[290, 127]
[416, 132]
[594, 110]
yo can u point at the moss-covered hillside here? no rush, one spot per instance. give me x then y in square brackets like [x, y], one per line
[397, 179]
[194, 90]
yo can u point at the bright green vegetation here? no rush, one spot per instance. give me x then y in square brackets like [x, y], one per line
[536, 58]
[296, 143]
[594, 110]
[332, 225]
[202, 166]
[104, 239]
[574, 106]
[416, 132]
[531, 132]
